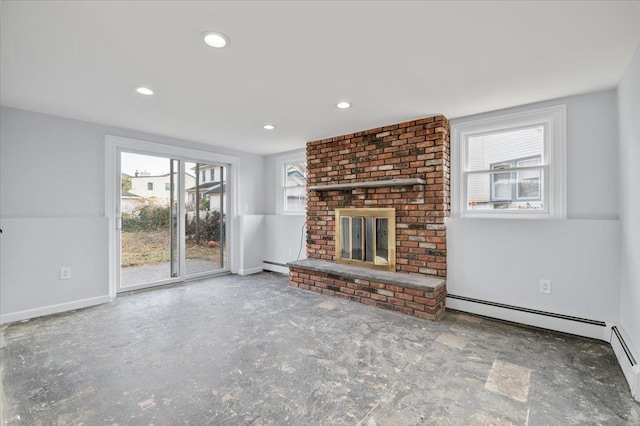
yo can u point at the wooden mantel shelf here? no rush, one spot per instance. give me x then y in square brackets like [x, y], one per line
[370, 184]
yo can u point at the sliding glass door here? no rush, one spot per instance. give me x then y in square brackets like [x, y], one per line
[205, 247]
[171, 219]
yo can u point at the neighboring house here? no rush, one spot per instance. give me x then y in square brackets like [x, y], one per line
[211, 179]
[509, 189]
[155, 187]
[131, 202]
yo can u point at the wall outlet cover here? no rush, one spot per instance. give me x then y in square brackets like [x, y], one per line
[545, 286]
[65, 273]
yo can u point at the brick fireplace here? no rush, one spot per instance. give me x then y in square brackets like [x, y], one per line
[405, 167]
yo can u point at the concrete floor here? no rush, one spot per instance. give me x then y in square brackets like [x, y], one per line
[141, 274]
[250, 350]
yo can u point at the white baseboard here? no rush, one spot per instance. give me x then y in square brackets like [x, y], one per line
[628, 358]
[550, 321]
[250, 271]
[53, 309]
[275, 268]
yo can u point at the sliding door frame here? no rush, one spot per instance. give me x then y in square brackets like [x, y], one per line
[114, 145]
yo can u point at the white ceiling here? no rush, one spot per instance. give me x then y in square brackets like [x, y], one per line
[289, 62]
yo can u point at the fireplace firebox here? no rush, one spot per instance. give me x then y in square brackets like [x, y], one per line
[365, 237]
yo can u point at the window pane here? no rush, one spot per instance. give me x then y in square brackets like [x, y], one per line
[368, 240]
[382, 241]
[504, 147]
[356, 238]
[345, 238]
[296, 174]
[502, 186]
[295, 199]
[529, 180]
[529, 188]
[295, 186]
[501, 183]
[505, 191]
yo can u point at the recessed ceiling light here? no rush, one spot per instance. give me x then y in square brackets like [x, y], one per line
[217, 40]
[268, 127]
[343, 105]
[144, 91]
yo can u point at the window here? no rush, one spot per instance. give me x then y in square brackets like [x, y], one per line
[167, 186]
[292, 186]
[295, 186]
[516, 188]
[213, 174]
[204, 179]
[510, 166]
[149, 186]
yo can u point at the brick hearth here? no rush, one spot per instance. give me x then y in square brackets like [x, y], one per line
[418, 295]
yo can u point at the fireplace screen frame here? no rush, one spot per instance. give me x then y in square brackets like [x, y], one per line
[388, 214]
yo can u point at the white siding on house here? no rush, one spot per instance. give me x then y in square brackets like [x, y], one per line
[160, 192]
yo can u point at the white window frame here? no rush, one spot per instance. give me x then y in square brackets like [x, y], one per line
[554, 161]
[281, 161]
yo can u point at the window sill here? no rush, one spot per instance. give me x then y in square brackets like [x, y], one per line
[506, 215]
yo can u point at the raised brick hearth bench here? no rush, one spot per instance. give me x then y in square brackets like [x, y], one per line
[420, 295]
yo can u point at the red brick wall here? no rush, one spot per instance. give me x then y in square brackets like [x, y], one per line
[414, 149]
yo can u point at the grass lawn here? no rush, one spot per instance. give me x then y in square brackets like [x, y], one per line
[150, 247]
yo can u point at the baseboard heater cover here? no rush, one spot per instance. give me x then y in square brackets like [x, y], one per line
[277, 267]
[528, 310]
[268, 262]
[627, 360]
[624, 346]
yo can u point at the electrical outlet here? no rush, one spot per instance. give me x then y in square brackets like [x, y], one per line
[545, 286]
[290, 251]
[65, 273]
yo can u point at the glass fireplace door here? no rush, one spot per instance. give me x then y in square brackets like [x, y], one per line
[366, 237]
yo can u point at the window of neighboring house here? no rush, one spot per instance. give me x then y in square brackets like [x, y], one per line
[203, 175]
[213, 174]
[513, 165]
[517, 187]
[150, 186]
[292, 186]
[167, 186]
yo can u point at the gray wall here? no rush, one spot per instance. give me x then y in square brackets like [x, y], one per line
[52, 167]
[629, 112]
[503, 260]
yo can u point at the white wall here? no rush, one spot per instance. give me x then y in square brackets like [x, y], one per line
[282, 232]
[285, 240]
[503, 260]
[32, 251]
[52, 167]
[251, 229]
[629, 114]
